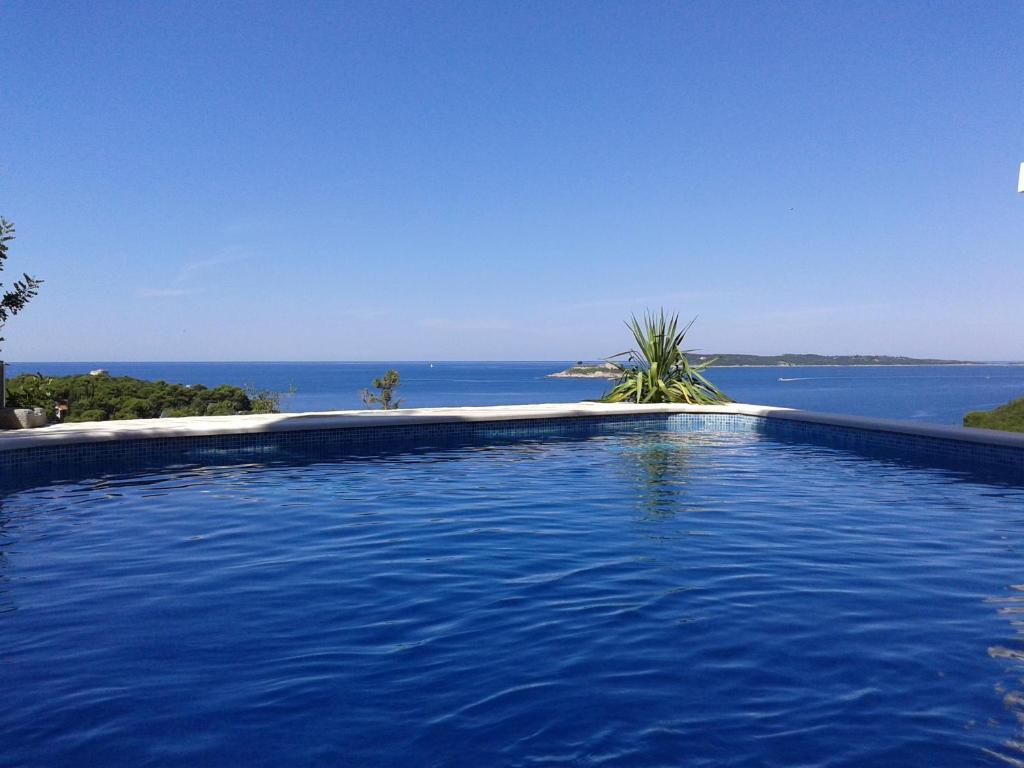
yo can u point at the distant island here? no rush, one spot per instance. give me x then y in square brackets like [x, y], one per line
[785, 361]
[604, 370]
[587, 371]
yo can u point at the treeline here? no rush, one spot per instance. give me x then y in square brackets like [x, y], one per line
[103, 397]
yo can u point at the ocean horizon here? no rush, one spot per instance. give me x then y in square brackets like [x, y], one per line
[939, 394]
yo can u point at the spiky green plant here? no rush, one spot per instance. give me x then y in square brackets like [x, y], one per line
[657, 370]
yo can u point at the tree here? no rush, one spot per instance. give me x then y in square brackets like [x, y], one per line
[387, 384]
[23, 290]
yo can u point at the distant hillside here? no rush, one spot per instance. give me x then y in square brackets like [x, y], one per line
[725, 361]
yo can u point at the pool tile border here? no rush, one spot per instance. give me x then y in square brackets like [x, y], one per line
[57, 450]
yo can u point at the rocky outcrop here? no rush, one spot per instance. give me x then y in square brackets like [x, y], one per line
[601, 370]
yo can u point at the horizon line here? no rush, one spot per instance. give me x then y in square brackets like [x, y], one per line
[445, 360]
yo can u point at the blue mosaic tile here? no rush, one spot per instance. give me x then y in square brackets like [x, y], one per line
[939, 451]
[37, 464]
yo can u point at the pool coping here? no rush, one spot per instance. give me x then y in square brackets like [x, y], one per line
[58, 435]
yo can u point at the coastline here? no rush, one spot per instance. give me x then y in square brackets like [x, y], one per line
[789, 367]
[875, 365]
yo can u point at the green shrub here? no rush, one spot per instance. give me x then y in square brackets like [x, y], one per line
[97, 398]
[31, 390]
[221, 408]
[93, 414]
[1009, 417]
[386, 384]
[264, 400]
[135, 408]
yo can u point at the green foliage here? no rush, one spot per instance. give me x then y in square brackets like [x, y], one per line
[265, 400]
[31, 390]
[93, 414]
[103, 397]
[131, 408]
[387, 384]
[1009, 417]
[22, 291]
[657, 370]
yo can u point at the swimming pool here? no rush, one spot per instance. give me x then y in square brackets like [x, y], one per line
[642, 596]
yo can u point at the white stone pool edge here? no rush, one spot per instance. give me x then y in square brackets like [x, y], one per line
[59, 435]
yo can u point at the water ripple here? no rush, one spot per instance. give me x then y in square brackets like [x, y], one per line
[631, 600]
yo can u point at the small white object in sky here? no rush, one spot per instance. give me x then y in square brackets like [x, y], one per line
[1020, 180]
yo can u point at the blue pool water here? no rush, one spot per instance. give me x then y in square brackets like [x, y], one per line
[934, 394]
[638, 598]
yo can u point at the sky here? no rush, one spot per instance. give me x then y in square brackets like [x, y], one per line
[512, 180]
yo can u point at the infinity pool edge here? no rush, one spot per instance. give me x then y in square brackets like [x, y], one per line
[203, 426]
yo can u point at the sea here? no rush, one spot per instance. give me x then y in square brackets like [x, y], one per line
[931, 394]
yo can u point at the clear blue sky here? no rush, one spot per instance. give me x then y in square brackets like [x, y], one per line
[486, 180]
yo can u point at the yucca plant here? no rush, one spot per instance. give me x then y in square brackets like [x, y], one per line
[657, 370]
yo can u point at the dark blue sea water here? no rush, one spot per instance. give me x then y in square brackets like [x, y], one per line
[636, 599]
[939, 394]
